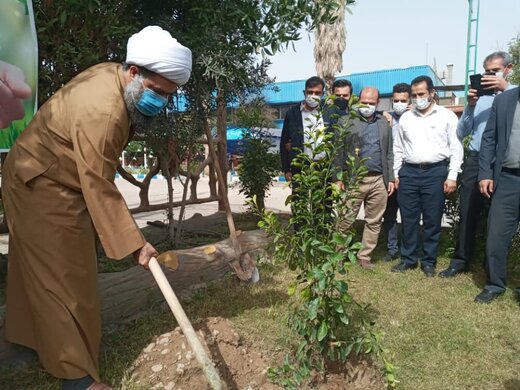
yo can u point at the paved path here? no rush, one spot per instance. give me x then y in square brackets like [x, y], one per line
[158, 194]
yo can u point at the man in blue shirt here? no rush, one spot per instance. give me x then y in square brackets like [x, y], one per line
[472, 123]
[400, 103]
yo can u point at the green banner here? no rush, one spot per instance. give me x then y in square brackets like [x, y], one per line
[18, 69]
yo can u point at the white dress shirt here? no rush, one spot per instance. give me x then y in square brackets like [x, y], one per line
[312, 121]
[427, 139]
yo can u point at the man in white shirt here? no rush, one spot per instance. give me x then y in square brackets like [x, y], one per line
[427, 159]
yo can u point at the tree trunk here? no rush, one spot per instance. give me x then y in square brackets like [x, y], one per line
[125, 295]
[183, 208]
[222, 145]
[167, 173]
[193, 188]
[144, 185]
[212, 181]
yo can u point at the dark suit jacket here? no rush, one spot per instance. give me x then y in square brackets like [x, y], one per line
[496, 135]
[292, 132]
[355, 140]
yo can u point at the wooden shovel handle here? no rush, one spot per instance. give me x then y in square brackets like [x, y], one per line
[186, 327]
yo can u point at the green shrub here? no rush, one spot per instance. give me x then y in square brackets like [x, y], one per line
[329, 324]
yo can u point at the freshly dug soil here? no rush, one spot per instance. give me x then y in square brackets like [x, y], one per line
[168, 363]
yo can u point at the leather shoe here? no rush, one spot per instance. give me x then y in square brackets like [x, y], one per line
[450, 272]
[390, 256]
[402, 267]
[487, 296]
[429, 271]
[366, 264]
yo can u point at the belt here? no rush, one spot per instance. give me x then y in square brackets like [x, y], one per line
[426, 165]
[473, 153]
[373, 174]
[512, 171]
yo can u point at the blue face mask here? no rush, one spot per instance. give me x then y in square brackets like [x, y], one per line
[151, 103]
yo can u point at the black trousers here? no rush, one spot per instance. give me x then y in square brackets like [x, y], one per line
[390, 224]
[503, 219]
[421, 192]
[471, 203]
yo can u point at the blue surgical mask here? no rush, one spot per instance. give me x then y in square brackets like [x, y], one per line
[151, 103]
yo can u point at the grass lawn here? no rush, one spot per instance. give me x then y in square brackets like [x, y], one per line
[438, 337]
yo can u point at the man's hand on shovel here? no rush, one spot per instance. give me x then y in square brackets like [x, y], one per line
[142, 256]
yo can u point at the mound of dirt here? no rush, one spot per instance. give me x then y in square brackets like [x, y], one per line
[168, 363]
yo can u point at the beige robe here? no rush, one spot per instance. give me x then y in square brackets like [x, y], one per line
[58, 189]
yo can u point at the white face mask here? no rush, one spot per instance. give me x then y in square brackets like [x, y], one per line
[400, 107]
[422, 103]
[367, 110]
[499, 74]
[312, 100]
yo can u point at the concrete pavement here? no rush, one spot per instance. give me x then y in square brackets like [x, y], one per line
[158, 193]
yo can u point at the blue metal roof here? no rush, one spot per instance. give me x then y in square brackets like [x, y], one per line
[289, 92]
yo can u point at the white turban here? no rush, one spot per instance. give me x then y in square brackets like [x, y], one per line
[156, 50]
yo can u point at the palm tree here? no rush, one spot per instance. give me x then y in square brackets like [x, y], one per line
[330, 43]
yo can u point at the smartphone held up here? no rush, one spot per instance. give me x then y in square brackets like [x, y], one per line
[476, 83]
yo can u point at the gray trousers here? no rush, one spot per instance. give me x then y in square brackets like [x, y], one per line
[503, 219]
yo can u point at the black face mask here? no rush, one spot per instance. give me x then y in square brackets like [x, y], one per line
[341, 103]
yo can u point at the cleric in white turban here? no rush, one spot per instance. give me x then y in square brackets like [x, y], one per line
[156, 50]
[58, 186]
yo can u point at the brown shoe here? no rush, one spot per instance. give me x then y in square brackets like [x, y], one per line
[366, 264]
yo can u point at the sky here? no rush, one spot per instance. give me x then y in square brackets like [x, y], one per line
[387, 34]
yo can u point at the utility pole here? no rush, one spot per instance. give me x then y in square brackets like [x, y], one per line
[471, 47]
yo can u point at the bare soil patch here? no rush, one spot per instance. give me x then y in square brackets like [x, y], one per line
[168, 363]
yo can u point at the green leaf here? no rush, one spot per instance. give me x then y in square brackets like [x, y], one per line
[352, 257]
[305, 293]
[356, 246]
[313, 308]
[338, 307]
[326, 267]
[326, 249]
[322, 284]
[338, 238]
[322, 332]
[292, 289]
[336, 257]
[63, 18]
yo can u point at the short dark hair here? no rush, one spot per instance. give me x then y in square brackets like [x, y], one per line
[426, 79]
[341, 83]
[402, 88]
[314, 81]
[505, 57]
